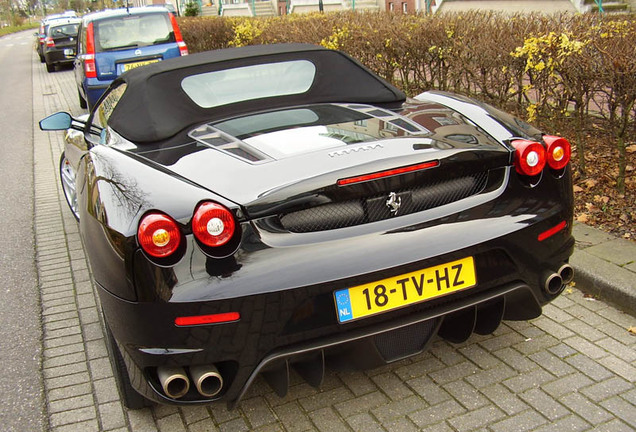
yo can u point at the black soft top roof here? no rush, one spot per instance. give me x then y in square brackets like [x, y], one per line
[154, 106]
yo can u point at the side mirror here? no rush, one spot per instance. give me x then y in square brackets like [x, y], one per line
[57, 121]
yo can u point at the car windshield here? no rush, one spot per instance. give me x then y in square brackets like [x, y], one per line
[64, 30]
[132, 31]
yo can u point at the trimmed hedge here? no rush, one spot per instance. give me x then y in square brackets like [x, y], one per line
[552, 70]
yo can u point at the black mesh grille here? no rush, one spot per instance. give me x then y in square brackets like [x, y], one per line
[405, 341]
[356, 212]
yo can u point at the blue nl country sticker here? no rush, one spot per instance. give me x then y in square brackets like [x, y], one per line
[343, 305]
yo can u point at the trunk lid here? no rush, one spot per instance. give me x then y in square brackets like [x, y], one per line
[64, 34]
[288, 161]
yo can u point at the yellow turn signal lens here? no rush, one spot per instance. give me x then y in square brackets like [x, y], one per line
[558, 153]
[161, 237]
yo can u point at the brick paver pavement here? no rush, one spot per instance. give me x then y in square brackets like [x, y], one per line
[572, 369]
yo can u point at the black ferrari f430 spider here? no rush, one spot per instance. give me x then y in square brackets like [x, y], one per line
[249, 210]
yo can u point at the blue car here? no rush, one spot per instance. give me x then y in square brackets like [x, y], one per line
[112, 42]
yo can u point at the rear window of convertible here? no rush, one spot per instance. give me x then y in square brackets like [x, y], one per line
[224, 87]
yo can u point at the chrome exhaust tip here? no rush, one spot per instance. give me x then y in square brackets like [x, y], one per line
[553, 284]
[207, 380]
[174, 381]
[567, 273]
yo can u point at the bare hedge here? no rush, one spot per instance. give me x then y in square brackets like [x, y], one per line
[579, 69]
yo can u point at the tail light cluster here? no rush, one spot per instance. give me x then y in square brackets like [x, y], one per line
[532, 157]
[50, 42]
[213, 226]
[159, 235]
[90, 69]
[183, 48]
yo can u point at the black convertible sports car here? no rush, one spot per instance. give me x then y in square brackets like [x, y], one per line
[249, 210]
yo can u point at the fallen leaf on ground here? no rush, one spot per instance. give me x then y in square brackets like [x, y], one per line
[583, 217]
[632, 330]
[590, 183]
[618, 215]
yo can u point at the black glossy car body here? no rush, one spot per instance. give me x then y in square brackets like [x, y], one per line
[364, 222]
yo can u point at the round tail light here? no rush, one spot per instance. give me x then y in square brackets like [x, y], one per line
[158, 235]
[529, 157]
[212, 224]
[559, 151]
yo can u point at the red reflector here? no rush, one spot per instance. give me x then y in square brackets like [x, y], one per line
[207, 319]
[387, 173]
[552, 231]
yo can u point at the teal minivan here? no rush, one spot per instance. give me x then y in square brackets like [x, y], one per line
[112, 42]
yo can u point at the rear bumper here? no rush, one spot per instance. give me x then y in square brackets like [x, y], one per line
[93, 89]
[361, 348]
[57, 57]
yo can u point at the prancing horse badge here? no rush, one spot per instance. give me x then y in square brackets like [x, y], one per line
[393, 203]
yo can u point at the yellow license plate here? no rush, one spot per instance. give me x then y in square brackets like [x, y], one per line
[130, 66]
[409, 288]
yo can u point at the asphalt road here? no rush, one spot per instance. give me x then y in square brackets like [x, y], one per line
[21, 396]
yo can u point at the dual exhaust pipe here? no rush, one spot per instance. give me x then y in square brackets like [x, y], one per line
[176, 382]
[553, 283]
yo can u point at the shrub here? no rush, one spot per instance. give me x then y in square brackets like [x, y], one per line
[191, 9]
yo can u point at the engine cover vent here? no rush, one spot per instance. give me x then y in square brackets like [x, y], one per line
[374, 208]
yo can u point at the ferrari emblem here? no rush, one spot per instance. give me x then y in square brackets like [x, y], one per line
[393, 203]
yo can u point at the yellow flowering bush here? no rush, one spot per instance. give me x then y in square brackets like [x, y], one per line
[245, 31]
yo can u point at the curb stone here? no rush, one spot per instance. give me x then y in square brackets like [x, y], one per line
[605, 266]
